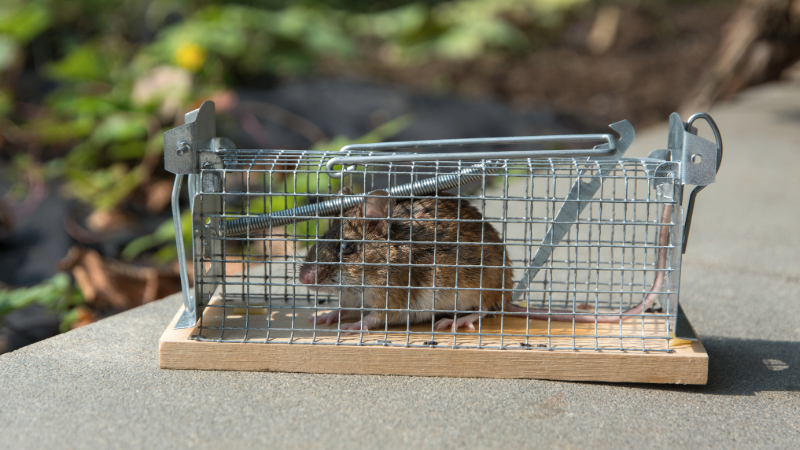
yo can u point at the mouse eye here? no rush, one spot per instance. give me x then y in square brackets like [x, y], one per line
[347, 247]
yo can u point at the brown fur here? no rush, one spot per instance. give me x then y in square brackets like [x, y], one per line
[432, 265]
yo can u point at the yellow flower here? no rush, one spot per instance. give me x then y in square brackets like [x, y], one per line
[190, 56]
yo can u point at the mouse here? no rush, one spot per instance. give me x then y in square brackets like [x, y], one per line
[380, 255]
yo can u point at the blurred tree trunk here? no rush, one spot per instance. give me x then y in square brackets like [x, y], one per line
[759, 42]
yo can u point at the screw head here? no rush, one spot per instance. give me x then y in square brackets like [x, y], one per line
[183, 147]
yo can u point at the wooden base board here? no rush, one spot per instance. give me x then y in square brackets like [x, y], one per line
[688, 364]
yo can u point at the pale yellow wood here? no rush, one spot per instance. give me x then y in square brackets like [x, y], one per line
[286, 322]
[286, 317]
[688, 364]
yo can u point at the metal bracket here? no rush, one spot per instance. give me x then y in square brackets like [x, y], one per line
[211, 165]
[662, 154]
[187, 148]
[683, 329]
[667, 172]
[699, 159]
[183, 144]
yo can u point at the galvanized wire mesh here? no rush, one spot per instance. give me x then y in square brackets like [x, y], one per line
[605, 265]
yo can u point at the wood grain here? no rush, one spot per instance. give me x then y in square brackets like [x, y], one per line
[290, 324]
[688, 364]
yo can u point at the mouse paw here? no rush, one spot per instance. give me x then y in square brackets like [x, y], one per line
[441, 324]
[466, 321]
[326, 318]
[353, 327]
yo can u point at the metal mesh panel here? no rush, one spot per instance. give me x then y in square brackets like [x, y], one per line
[407, 279]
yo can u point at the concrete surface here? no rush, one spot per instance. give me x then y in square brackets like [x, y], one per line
[100, 386]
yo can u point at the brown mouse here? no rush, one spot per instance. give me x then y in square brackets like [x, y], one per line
[376, 253]
[407, 264]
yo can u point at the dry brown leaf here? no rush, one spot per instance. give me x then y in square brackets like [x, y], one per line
[84, 284]
[105, 221]
[111, 283]
[85, 317]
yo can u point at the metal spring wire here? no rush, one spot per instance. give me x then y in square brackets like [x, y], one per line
[332, 207]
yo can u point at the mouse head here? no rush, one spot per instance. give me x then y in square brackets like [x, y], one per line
[356, 238]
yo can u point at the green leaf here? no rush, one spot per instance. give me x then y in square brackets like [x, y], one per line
[103, 188]
[312, 183]
[68, 319]
[83, 157]
[50, 129]
[69, 103]
[8, 52]
[166, 254]
[6, 103]
[83, 63]
[26, 21]
[270, 203]
[120, 127]
[164, 234]
[394, 24]
[308, 229]
[127, 150]
[56, 294]
[468, 40]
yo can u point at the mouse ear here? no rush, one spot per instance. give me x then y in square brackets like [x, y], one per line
[346, 191]
[378, 206]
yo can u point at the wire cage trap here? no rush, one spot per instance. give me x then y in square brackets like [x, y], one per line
[435, 255]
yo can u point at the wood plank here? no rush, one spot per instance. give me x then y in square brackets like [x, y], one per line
[688, 364]
[290, 324]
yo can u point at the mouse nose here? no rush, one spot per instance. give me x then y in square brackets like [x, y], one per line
[308, 275]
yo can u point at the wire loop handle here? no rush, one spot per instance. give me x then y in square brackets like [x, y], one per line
[693, 196]
[607, 149]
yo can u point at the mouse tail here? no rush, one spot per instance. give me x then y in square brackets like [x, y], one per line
[569, 316]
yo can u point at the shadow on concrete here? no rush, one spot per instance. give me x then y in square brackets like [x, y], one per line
[748, 366]
[788, 116]
[745, 367]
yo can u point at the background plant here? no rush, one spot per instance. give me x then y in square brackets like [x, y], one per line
[88, 87]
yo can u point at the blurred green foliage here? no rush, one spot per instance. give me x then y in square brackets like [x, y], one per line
[462, 29]
[221, 38]
[163, 239]
[104, 80]
[125, 71]
[56, 294]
